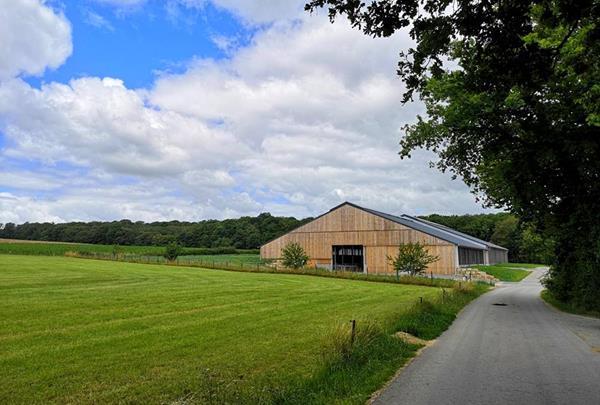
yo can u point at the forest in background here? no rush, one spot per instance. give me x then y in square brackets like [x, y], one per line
[523, 242]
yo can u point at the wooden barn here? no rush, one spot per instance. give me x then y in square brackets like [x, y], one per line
[353, 238]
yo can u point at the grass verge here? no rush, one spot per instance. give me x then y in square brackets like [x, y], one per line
[506, 271]
[565, 306]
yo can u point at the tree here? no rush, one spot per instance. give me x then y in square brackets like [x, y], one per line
[516, 113]
[507, 234]
[534, 248]
[172, 251]
[293, 256]
[412, 258]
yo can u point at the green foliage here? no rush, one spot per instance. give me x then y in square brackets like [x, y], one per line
[567, 306]
[506, 233]
[534, 248]
[516, 115]
[412, 258]
[172, 251]
[241, 233]
[293, 256]
[481, 226]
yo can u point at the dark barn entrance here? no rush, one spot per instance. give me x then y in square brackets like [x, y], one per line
[348, 258]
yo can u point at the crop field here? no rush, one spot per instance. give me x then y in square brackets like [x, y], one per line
[17, 247]
[88, 331]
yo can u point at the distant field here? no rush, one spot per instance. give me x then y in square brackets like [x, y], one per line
[508, 271]
[83, 331]
[13, 246]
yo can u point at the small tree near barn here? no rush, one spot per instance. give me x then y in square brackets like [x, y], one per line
[172, 251]
[412, 258]
[293, 256]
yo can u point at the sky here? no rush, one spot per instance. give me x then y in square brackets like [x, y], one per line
[194, 109]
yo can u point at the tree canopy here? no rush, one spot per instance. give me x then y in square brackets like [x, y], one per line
[512, 97]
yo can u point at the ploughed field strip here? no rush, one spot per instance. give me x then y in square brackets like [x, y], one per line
[76, 330]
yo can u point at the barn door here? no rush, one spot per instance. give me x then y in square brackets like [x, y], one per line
[348, 258]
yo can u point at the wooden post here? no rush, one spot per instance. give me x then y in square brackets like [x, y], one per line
[353, 332]
[421, 299]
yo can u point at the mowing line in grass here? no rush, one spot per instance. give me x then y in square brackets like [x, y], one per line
[85, 331]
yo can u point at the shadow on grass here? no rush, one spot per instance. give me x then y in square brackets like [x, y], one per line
[566, 306]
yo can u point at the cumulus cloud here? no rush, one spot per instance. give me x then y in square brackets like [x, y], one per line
[100, 123]
[34, 37]
[305, 116]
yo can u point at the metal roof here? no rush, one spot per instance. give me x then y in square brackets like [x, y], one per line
[444, 227]
[429, 229]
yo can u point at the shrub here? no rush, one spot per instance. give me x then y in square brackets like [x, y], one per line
[294, 256]
[172, 251]
[412, 258]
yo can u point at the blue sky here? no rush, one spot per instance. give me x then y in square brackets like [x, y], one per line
[192, 109]
[137, 43]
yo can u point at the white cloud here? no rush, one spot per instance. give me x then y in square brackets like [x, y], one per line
[262, 11]
[96, 20]
[306, 116]
[100, 123]
[34, 37]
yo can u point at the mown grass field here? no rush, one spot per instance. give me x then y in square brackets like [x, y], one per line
[509, 271]
[87, 331]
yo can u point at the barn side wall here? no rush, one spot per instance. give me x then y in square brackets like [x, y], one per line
[498, 256]
[348, 225]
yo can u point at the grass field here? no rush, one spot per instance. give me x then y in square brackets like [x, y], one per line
[83, 331]
[508, 271]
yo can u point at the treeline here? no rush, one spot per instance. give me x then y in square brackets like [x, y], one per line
[524, 243]
[240, 233]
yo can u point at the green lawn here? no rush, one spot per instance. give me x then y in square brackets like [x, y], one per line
[508, 271]
[83, 331]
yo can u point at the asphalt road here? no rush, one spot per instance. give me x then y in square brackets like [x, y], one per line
[521, 353]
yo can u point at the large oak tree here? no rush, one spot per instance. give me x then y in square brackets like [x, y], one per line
[512, 94]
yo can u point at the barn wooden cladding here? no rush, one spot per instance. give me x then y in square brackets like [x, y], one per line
[356, 238]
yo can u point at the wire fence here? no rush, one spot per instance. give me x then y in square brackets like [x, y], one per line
[265, 267]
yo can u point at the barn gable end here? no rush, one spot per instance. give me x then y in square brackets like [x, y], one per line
[350, 225]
